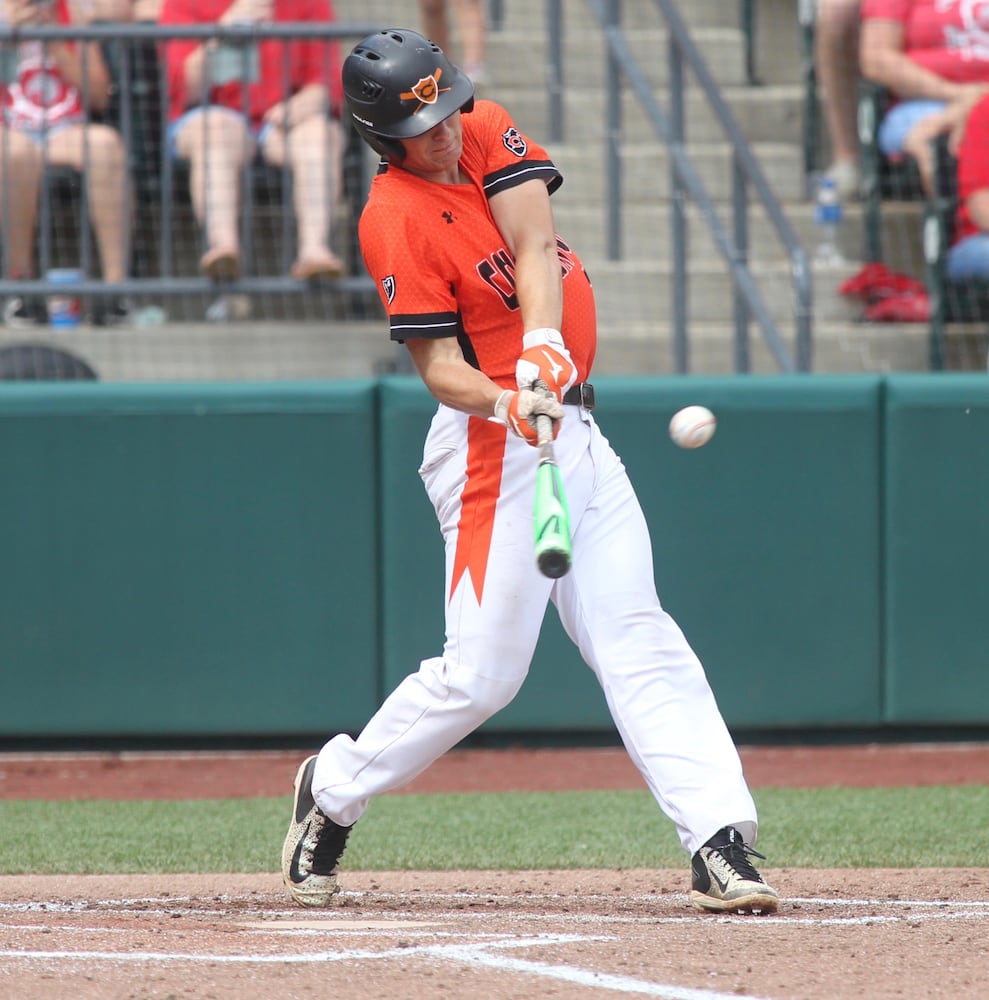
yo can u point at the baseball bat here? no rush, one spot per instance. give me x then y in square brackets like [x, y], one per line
[550, 516]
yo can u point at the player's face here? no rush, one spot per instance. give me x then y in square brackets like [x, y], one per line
[435, 155]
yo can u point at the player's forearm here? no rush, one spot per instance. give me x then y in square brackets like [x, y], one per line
[453, 382]
[472, 393]
[539, 286]
[525, 219]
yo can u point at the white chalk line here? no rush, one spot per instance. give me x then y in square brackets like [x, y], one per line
[167, 906]
[572, 919]
[478, 953]
[83, 905]
[487, 955]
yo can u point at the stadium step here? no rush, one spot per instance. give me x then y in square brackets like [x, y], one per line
[634, 293]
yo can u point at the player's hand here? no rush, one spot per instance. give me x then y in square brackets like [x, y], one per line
[545, 356]
[248, 11]
[519, 410]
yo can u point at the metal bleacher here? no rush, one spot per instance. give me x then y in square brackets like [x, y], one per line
[270, 326]
[284, 328]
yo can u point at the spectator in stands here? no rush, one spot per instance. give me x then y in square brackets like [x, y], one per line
[932, 56]
[471, 29]
[969, 255]
[919, 141]
[836, 40]
[208, 127]
[110, 10]
[46, 119]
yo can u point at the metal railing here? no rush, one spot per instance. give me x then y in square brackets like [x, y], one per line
[165, 279]
[623, 68]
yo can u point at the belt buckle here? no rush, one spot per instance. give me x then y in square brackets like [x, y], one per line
[586, 395]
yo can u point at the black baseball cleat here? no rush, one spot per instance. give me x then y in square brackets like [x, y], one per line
[313, 845]
[725, 881]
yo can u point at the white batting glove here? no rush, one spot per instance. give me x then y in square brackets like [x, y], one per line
[545, 357]
[519, 409]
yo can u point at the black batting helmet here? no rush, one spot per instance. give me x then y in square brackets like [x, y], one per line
[398, 85]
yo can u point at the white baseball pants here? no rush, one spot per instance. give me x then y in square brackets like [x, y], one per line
[653, 682]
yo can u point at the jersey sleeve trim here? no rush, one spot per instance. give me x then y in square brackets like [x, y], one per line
[408, 326]
[517, 173]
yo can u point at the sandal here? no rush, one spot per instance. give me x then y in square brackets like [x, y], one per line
[220, 265]
[323, 268]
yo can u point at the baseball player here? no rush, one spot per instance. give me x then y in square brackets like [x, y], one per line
[458, 235]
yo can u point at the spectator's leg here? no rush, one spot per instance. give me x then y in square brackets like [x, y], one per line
[901, 119]
[434, 23]
[836, 36]
[97, 152]
[20, 185]
[472, 28]
[217, 144]
[968, 259]
[315, 155]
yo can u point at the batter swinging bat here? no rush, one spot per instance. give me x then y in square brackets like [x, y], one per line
[550, 517]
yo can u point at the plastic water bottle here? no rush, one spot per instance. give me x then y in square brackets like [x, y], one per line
[827, 215]
[150, 316]
[229, 308]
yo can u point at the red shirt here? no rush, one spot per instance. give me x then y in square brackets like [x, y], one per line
[973, 165]
[311, 61]
[440, 262]
[948, 37]
[40, 97]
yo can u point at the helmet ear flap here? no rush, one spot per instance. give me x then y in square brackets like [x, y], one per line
[390, 149]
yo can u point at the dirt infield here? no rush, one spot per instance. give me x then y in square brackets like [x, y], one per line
[561, 934]
[572, 935]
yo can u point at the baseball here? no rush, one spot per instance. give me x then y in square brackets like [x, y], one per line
[693, 426]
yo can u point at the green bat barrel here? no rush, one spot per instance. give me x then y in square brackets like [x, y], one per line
[551, 521]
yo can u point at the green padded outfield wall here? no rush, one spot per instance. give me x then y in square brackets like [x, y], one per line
[937, 549]
[766, 543]
[183, 560]
[767, 539]
[252, 560]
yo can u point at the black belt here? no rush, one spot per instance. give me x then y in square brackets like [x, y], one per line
[581, 394]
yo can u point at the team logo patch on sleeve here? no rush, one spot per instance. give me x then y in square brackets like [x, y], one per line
[514, 142]
[388, 285]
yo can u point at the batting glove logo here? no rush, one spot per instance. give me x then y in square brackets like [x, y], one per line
[554, 366]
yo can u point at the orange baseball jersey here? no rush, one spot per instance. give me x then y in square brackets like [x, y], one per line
[441, 265]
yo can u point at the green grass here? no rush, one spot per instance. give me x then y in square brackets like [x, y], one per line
[833, 827]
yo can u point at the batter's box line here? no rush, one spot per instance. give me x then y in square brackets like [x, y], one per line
[489, 955]
[84, 905]
[312, 957]
[889, 902]
[901, 918]
[568, 897]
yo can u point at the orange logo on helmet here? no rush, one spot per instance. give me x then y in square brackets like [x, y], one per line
[426, 91]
